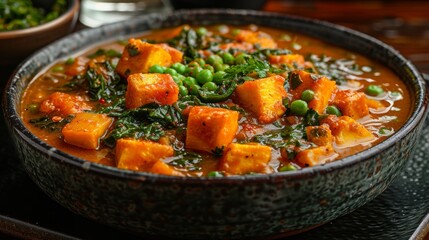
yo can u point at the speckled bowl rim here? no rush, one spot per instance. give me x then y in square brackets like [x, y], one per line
[56, 155]
[70, 13]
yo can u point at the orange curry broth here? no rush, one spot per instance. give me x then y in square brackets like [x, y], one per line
[43, 86]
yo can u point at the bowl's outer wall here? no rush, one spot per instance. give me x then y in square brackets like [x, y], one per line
[216, 208]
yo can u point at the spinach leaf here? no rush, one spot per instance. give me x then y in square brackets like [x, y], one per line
[104, 82]
[48, 124]
[134, 128]
[280, 138]
[187, 160]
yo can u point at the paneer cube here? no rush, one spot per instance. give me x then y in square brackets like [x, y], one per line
[246, 158]
[139, 56]
[319, 135]
[139, 155]
[150, 88]
[292, 60]
[263, 97]
[176, 55]
[210, 128]
[315, 156]
[351, 103]
[261, 39]
[77, 67]
[63, 104]
[322, 87]
[243, 46]
[161, 167]
[348, 132]
[86, 130]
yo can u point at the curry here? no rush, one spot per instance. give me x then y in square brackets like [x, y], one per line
[215, 101]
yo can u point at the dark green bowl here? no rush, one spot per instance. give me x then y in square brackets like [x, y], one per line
[230, 207]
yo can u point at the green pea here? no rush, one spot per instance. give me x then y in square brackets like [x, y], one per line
[228, 58]
[209, 67]
[212, 59]
[156, 69]
[215, 174]
[333, 110]
[183, 90]
[307, 95]
[241, 58]
[299, 107]
[218, 77]
[220, 67]
[33, 107]
[200, 61]
[194, 71]
[235, 32]
[171, 71]
[180, 68]
[211, 86]
[178, 80]
[204, 76]
[193, 64]
[193, 89]
[288, 167]
[69, 61]
[374, 90]
[202, 31]
[58, 68]
[188, 81]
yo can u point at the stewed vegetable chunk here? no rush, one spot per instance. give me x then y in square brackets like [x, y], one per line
[148, 88]
[139, 56]
[86, 130]
[322, 87]
[263, 97]
[140, 155]
[246, 158]
[209, 128]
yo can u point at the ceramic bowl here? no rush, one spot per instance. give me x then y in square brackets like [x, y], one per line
[16, 45]
[256, 206]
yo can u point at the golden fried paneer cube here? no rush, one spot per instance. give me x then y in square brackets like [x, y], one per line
[86, 129]
[293, 60]
[210, 128]
[319, 135]
[246, 158]
[351, 103]
[322, 87]
[63, 104]
[348, 132]
[140, 155]
[163, 168]
[176, 55]
[263, 40]
[315, 156]
[150, 88]
[139, 56]
[263, 97]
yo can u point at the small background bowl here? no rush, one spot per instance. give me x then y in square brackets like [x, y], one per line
[16, 45]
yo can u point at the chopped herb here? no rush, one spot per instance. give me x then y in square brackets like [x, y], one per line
[295, 80]
[132, 50]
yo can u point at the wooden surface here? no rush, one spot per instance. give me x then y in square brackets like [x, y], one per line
[401, 24]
